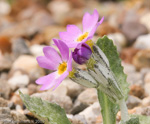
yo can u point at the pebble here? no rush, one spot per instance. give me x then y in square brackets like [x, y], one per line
[88, 96]
[118, 39]
[128, 68]
[19, 47]
[133, 29]
[18, 81]
[142, 42]
[37, 50]
[135, 78]
[31, 67]
[133, 101]
[77, 119]
[91, 113]
[147, 88]
[146, 101]
[141, 59]
[32, 88]
[147, 78]
[145, 20]
[73, 89]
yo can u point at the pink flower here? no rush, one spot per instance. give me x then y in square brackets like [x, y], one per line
[74, 37]
[60, 65]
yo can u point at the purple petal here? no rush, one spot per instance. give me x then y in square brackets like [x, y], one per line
[73, 32]
[89, 21]
[64, 50]
[60, 79]
[46, 63]
[52, 54]
[46, 79]
[96, 26]
[69, 63]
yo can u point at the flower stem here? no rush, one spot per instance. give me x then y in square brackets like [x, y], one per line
[124, 110]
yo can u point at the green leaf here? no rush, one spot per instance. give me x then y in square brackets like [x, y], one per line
[109, 109]
[107, 46]
[142, 119]
[134, 120]
[47, 112]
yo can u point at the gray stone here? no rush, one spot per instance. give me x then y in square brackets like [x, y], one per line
[146, 101]
[133, 29]
[77, 119]
[19, 47]
[133, 101]
[73, 89]
[128, 68]
[119, 40]
[147, 88]
[88, 96]
[18, 81]
[29, 65]
[142, 42]
[91, 113]
[37, 50]
[145, 19]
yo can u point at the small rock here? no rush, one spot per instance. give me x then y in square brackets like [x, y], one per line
[73, 89]
[4, 89]
[5, 8]
[147, 77]
[77, 119]
[133, 29]
[137, 91]
[127, 54]
[78, 107]
[128, 68]
[16, 99]
[146, 111]
[145, 20]
[18, 81]
[3, 102]
[141, 59]
[135, 78]
[118, 39]
[146, 101]
[19, 47]
[37, 50]
[91, 113]
[29, 65]
[147, 88]
[133, 101]
[62, 100]
[142, 42]
[88, 96]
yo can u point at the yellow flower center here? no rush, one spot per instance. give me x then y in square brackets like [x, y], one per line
[80, 38]
[62, 68]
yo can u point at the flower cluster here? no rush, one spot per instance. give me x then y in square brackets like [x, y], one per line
[72, 38]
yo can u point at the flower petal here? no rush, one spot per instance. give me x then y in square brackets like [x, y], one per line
[46, 79]
[46, 63]
[60, 79]
[64, 50]
[89, 21]
[73, 32]
[69, 63]
[96, 26]
[52, 54]
[49, 81]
